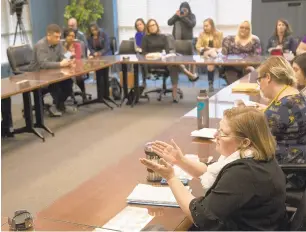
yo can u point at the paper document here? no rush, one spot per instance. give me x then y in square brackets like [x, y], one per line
[129, 219]
[208, 133]
[150, 195]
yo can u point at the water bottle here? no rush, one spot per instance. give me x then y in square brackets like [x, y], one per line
[163, 55]
[203, 109]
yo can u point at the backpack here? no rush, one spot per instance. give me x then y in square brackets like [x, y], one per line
[116, 88]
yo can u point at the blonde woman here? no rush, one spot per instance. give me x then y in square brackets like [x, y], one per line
[245, 187]
[209, 41]
[286, 112]
[244, 44]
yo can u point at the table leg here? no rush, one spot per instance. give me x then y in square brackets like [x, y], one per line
[136, 84]
[28, 116]
[125, 86]
[39, 111]
[100, 92]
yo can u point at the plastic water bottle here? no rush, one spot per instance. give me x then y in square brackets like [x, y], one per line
[203, 109]
[163, 55]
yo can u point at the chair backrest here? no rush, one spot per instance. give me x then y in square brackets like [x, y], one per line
[19, 57]
[171, 42]
[127, 47]
[113, 44]
[298, 222]
[184, 47]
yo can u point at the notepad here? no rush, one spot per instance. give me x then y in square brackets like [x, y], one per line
[150, 195]
[207, 133]
[246, 87]
[129, 219]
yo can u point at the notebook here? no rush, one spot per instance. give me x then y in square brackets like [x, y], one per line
[129, 219]
[144, 194]
[207, 133]
[246, 87]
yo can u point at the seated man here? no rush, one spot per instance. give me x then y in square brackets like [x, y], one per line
[49, 54]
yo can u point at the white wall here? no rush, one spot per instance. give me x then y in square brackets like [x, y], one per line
[227, 14]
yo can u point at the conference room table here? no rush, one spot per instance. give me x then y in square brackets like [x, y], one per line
[34, 81]
[96, 201]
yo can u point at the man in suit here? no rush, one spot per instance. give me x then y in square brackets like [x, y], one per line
[49, 54]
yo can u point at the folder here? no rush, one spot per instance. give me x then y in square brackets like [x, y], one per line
[246, 87]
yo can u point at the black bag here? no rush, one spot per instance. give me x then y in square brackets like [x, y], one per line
[116, 88]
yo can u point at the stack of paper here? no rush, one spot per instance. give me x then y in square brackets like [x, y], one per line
[149, 195]
[246, 87]
[129, 219]
[208, 133]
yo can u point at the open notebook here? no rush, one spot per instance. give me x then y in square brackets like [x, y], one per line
[150, 195]
[207, 133]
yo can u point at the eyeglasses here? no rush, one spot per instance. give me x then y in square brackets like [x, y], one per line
[245, 28]
[259, 78]
[221, 134]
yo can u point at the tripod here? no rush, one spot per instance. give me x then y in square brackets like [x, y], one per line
[20, 28]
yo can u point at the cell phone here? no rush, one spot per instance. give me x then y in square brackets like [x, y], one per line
[184, 181]
[68, 55]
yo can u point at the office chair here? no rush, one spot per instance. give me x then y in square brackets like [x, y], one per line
[159, 71]
[19, 58]
[113, 45]
[293, 196]
[297, 222]
[127, 47]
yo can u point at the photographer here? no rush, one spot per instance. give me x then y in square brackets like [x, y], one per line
[184, 21]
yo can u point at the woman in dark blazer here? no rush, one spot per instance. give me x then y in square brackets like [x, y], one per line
[99, 45]
[244, 189]
[282, 38]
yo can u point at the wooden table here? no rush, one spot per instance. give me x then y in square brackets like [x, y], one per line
[99, 199]
[42, 224]
[34, 81]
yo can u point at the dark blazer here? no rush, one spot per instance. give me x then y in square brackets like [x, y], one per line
[104, 42]
[247, 195]
[288, 43]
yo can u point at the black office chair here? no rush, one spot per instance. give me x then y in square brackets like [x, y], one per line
[19, 58]
[294, 195]
[297, 222]
[113, 45]
[159, 71]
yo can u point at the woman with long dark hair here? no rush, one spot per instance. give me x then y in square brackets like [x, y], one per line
[282, 38]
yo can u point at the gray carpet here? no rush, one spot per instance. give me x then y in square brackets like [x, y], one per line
[34, 174]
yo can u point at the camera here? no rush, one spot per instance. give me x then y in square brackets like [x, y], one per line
[182, 12]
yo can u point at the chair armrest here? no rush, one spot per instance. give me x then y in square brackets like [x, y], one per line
[293, 168]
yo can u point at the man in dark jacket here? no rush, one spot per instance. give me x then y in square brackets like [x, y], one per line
[184, 21]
